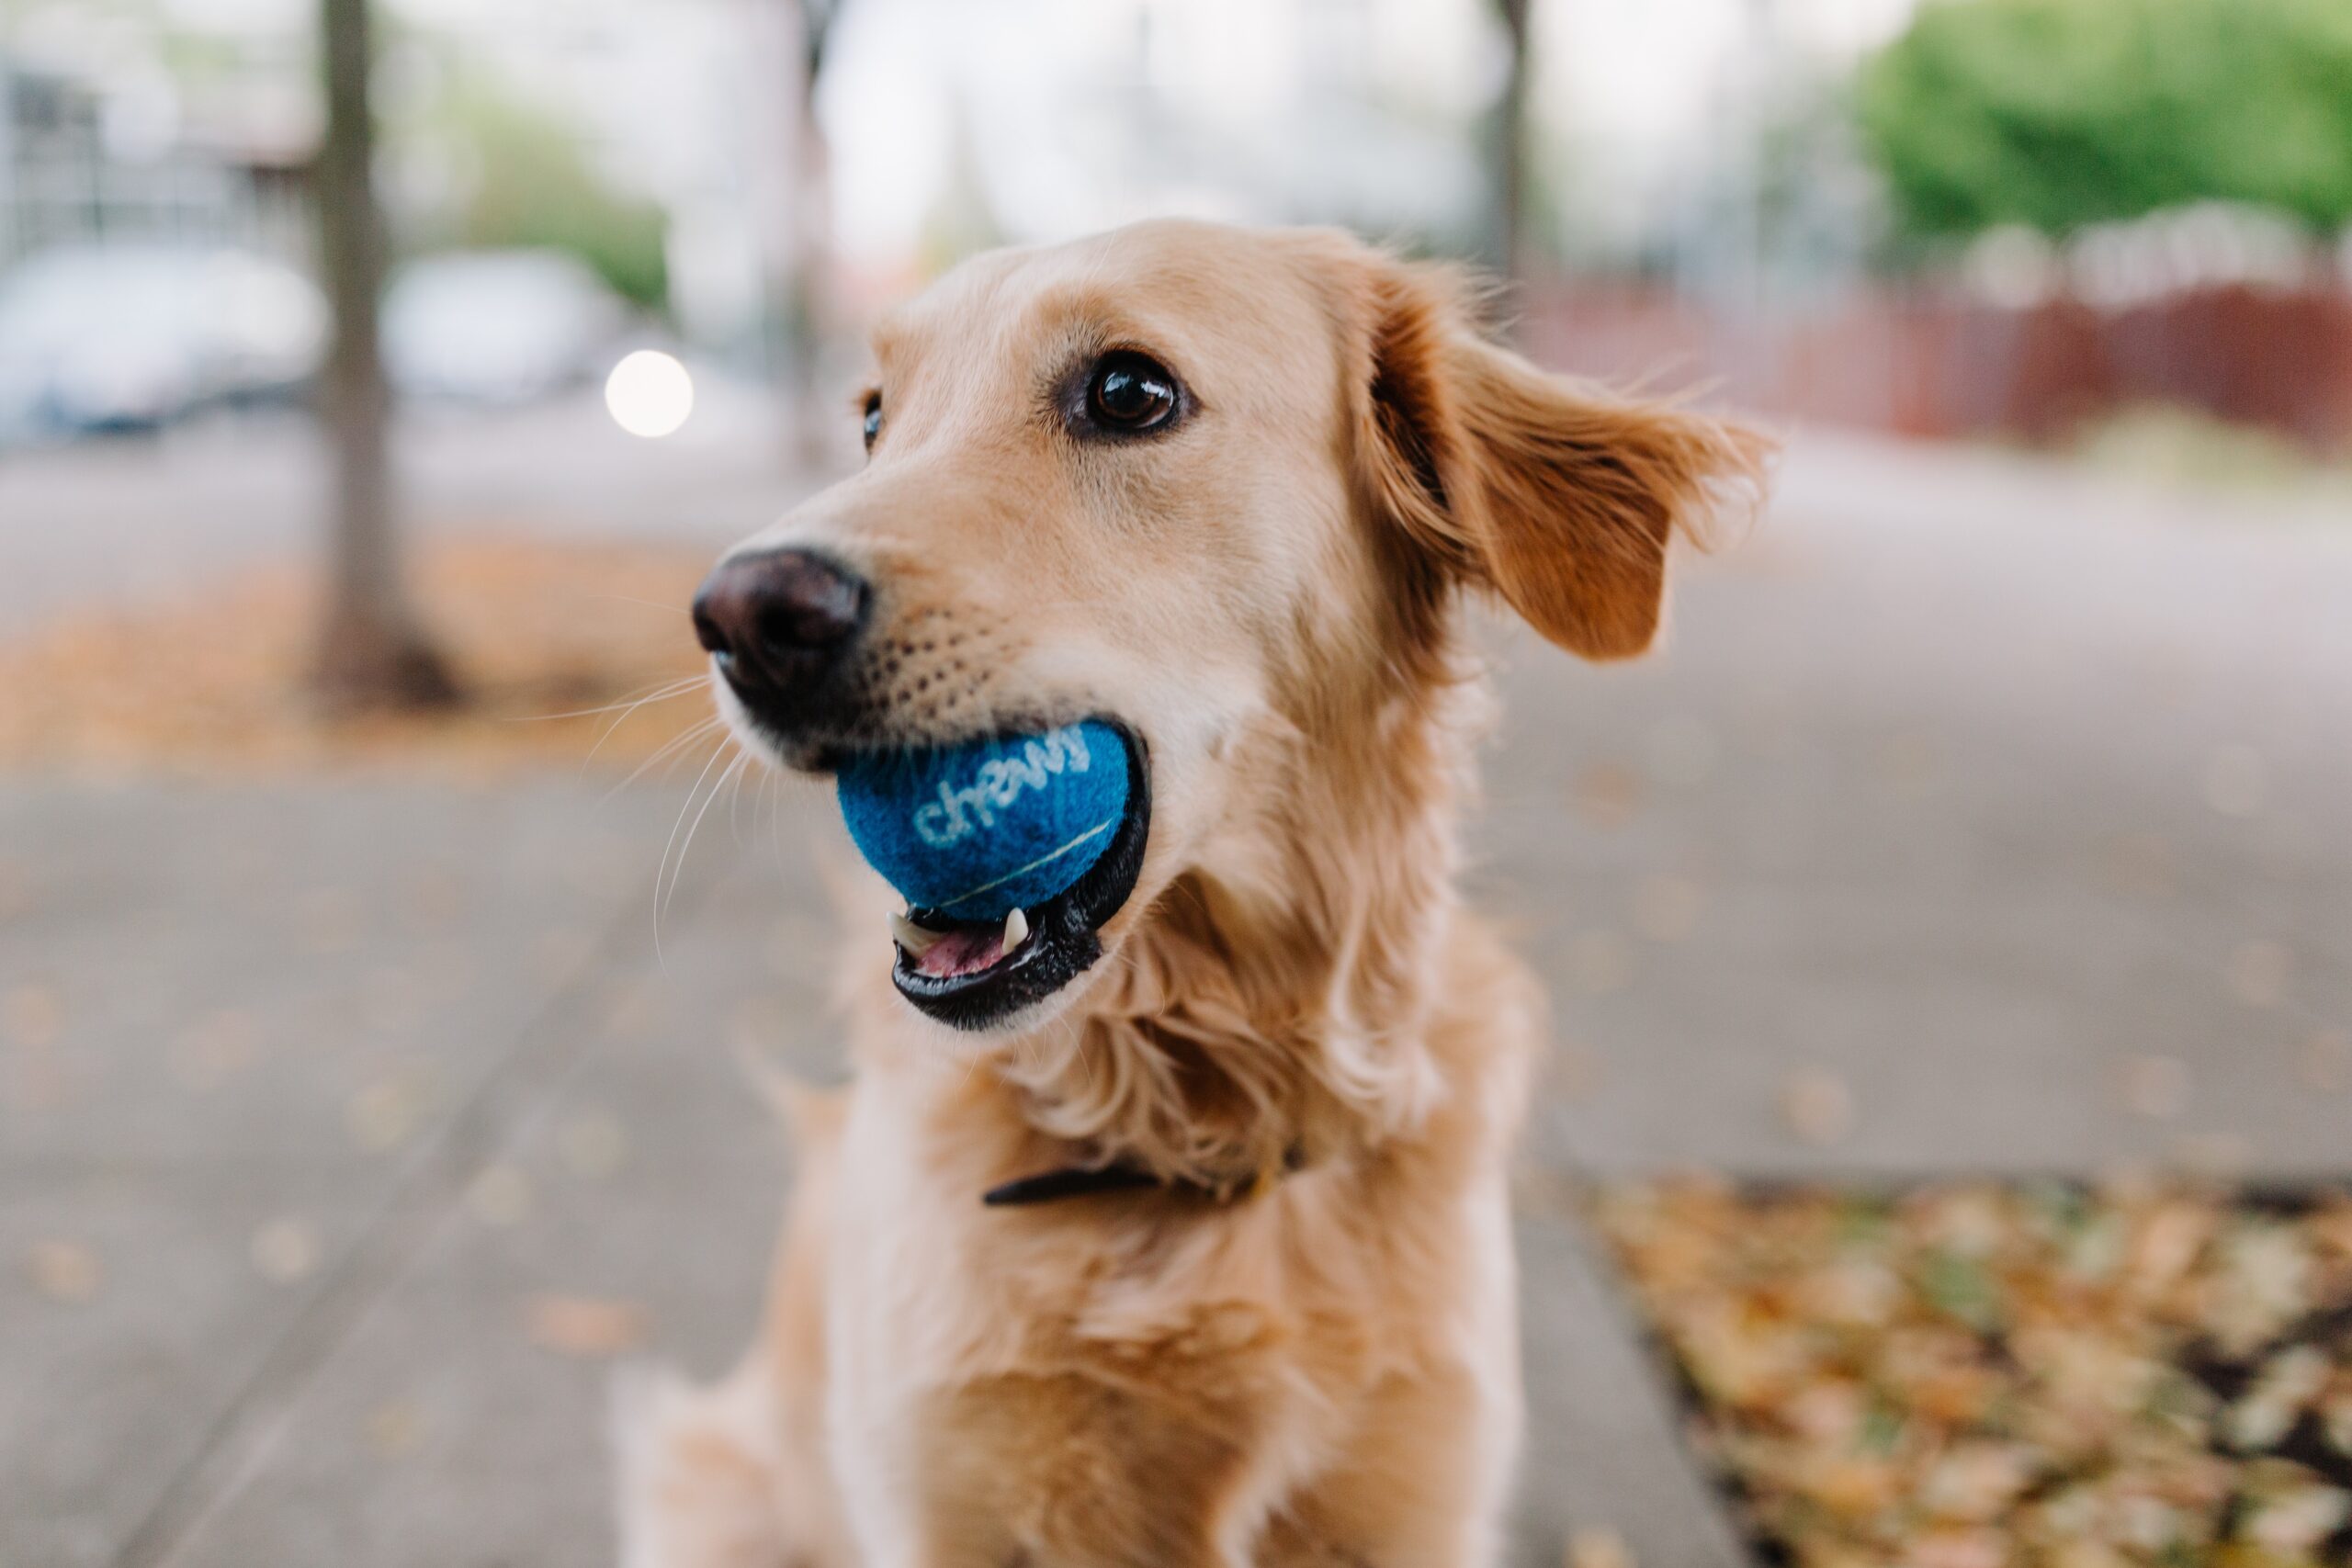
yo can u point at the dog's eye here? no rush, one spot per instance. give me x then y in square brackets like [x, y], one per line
[872, 418]
[1130, 392]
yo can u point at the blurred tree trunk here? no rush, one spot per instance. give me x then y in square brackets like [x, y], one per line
[371, 652]
[1509, 152]
[805, 306]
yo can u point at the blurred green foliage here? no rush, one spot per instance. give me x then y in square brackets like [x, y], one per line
[534, 188]
[2059, 113]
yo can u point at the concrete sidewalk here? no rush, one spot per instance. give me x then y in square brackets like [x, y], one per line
[1974, 819]
[373, 1175]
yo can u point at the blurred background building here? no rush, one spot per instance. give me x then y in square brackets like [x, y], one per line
[2013, 216]
[2016, 216]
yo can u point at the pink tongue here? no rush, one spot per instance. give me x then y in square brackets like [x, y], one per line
[961, 952]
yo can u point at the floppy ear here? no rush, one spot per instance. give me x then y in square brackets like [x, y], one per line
[1559, 497]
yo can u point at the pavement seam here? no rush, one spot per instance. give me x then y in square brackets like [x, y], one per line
[234, 1446]
[1704, 1531]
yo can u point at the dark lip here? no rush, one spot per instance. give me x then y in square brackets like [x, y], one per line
[802, 734]
[1063, 942]
[1064, 931]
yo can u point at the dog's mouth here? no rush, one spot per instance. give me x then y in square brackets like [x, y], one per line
[975, 975]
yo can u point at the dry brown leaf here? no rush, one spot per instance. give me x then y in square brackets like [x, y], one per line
[500, 1196]
[1599, 1547]
[33, 1013]
[1818, 1106]
[64, 1270]
[394, 1428]
[1607, 794]
[2155, 1087]
[589, 1326]
[543, 635]
[285, 1251]
[1969, 1375]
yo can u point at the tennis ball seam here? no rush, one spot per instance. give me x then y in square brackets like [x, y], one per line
[1039, 863]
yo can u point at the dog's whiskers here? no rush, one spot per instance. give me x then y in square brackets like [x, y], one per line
[661, 871]
[735, 800]
[673, 745]
[776, 823]
[661, 692]
[734, 774]
[678, 871]
[663, 695]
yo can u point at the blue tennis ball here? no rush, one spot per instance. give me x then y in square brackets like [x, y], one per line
[977, 830]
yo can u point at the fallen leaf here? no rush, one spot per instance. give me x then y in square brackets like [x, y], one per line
[1818, 1106]
[1598, 963]
[1910, 761]
[2155, 1087]
[216, 1049]
[2326, 1061]
[1987, 1375]
[1667, 908]
[384, 1114]
[2236, 781]
[2257, 972]
[65, 1270]
[1599, 1547]
[500, 1196]
[33, 1013]
[285, 1251]
[586, 1326]
[563, 636]
[1607, 794]
[595, 1144]
[395, 1428]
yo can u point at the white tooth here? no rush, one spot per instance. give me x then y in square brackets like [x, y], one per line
[912, 937]
[1016, 931]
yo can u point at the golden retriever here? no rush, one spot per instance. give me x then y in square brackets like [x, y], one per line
[1243, 1099]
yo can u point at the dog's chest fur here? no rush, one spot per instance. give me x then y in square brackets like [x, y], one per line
[1159, 1377]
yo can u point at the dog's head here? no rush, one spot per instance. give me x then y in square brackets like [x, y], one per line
[1220, 489]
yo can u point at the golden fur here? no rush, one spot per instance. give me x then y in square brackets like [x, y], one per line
[1323, 1370]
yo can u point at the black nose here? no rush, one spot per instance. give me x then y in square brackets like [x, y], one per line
[779, 622]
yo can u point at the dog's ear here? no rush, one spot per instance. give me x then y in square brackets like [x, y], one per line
[1561, 498]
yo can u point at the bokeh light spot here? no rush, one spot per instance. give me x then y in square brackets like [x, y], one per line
[650, 394]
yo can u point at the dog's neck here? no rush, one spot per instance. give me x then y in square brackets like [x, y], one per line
[1277, 1006]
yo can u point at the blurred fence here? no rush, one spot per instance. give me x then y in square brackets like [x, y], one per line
[1926, 365]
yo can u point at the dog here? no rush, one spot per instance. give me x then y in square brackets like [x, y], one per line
[1177, 1233]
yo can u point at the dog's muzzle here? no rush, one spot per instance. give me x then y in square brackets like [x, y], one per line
[1000, 970]
[781, 628]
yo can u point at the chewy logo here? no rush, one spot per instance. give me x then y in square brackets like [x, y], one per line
[958, 813]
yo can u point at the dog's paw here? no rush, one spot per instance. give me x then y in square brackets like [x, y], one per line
[697, 1470]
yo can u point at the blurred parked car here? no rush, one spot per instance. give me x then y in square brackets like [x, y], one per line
[499, 327]
[108, 337]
